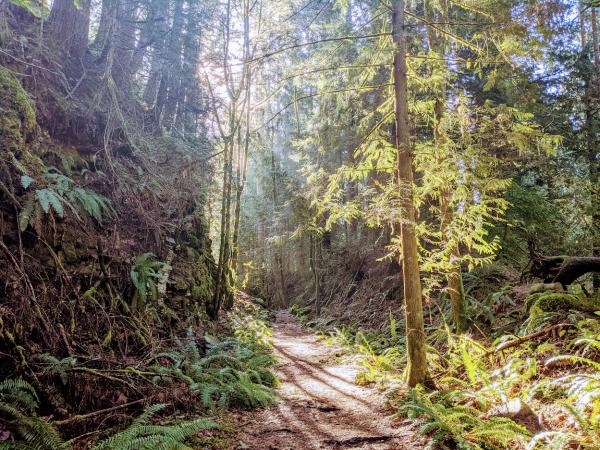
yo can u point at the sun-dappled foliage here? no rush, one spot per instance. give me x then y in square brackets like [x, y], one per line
[417, 182]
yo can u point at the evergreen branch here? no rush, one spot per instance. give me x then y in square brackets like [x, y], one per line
[320, 41]
[337, 91]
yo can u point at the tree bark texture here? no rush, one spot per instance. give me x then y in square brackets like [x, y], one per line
[415, 329]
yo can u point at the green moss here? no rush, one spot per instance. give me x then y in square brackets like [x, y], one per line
[17, 112]
[69, 252]
[18, 127]
[203, 281]
[217, 439]
[555, 301]
[196, 247]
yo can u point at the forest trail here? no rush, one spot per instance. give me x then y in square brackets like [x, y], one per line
[320, 405]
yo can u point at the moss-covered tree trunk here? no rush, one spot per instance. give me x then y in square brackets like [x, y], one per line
[278, 269]
[222, 287]
[456, 290]
[242, 164]
[415, 329]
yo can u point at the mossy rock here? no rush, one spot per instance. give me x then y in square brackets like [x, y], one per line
[18, 126]
[195, 248]
[561, 301]
[202, 288]
[538, 288]
[17, 113]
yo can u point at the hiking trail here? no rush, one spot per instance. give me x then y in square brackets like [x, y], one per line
[320, 406]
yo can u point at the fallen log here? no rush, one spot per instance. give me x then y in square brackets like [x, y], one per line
[563, 269]
[529, 337]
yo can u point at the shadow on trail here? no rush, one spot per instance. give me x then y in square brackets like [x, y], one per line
[320, 379]
[320, 408]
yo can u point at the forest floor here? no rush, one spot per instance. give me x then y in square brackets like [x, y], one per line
[320, 406]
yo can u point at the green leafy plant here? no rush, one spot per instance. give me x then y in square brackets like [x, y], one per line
[141, 435]
[580, 391]
[55, 194]
[301, 312]
[19, 402]
[230, 373]
[145, 275]
[451, 424]
[57, 367]
[235, 371]
[251, 330]
[377, 366]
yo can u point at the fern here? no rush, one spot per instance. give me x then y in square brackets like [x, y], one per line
[145, 275]
[552, 440]
[93, 204]
[49, 197]
[54, 366]
[19, 394]
[141, 435]
[56, 194]
[19, 401]
[232, 372]
[461, 425]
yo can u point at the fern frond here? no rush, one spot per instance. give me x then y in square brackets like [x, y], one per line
[20, 394]
[142, 436]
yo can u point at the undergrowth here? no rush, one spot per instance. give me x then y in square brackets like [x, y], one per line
[450, 423]
[535, 388]
[235, 371]
[19, 401]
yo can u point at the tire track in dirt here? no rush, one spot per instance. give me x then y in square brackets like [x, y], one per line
[321, 407]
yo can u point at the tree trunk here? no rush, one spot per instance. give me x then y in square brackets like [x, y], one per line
[171, 95]
[158, 58]
[313, 263]
[415, 329]
[454, 281]
[278, 269]
[221, 287]
[562, 269]
[241, 181]
[190, 108]
[68, 27]
[108, 18]
[147, 36]
[589, 96]
[591, 108]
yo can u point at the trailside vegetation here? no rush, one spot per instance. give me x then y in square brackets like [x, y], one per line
[417, 181]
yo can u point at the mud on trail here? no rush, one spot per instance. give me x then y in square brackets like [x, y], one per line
[320, 405]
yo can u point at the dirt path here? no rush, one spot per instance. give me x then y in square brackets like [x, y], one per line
[320, 407]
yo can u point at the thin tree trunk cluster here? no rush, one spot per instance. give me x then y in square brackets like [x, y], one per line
[234, 126]
[155, 44]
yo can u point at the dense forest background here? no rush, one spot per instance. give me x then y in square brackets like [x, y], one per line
[426, 170]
